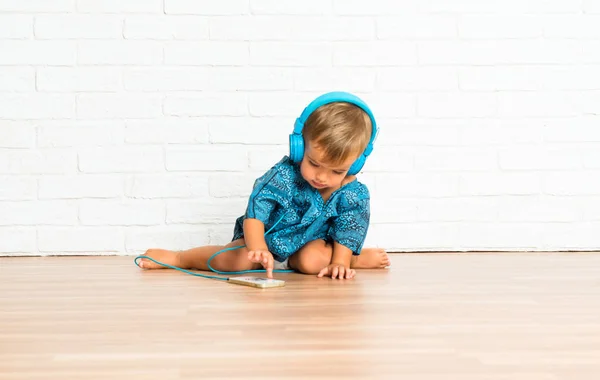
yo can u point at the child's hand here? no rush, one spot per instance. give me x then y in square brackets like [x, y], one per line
[264, 257]
[337, 270]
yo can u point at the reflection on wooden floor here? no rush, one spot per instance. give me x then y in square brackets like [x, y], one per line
[431, 316]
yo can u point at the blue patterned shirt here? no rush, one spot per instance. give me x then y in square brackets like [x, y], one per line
[282, 193]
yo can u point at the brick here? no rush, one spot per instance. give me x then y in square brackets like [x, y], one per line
[220, 234]
[590, 51]
[352, 79]
[17, 135]
[119, 52]
[511, 51]
[463, 159]
[157, 79]
[88, 240]
[117, 106]
[499, 183]
[410, 133]
[589, 101]
[19, 106]
[417, 78]
[571, 236]
[167, 131]
[571, 183]
[207, 7]
[546, 209]
[264, 158]
[392, 210]
[389, 159]
[175, 237]
[130, 159]
[46, 53]
[207, 104]
[231, 185]
[167, 186]
[78, 79]
[499, 236]
[591, 158]
[17, 79]
[129, 212]
[37, 6]
[456, 104]
[486, 26]
[293, 54]
[120, 6]
[17, 239]
[373, 8]
[580, 129]
[483, 209]
[250, 78]
[80, 186]
[572, 26]
[79, 133]
[42, 161]
[76, 26]
[208, 53]
[505, 7]
[15, 26]
[279, 104]
[539, 158]
[501, 132]
[418, 184]
[591, 208]
[416, 236]
[17, 188]
[332, 28]
[290, 7]
[166, 27]
[207, 158]
[237, 130]
[214, 210]
[374, 53]
[413, 27]
[250, 28]
[31, 213]
[218, 78]
[532, 104]
[591, 6]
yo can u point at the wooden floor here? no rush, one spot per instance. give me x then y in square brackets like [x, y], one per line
[431, 316]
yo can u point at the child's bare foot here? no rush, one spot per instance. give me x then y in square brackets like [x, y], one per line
[371, 258]
[162, 255]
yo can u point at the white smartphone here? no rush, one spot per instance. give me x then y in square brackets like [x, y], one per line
[257, 282]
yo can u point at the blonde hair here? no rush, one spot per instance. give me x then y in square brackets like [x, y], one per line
[342, 129]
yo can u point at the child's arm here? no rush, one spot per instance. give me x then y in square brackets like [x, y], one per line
[258, 252]
[254, 234]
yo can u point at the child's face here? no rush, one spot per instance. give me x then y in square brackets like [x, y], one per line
[319, 173]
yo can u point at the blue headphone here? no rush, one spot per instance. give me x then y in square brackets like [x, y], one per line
[297, 140]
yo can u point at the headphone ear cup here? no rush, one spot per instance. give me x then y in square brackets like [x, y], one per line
[296, 147]
[357, 165]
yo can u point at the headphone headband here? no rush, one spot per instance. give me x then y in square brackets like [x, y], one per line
[297, 141]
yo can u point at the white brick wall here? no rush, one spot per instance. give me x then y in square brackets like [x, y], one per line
[128, 124]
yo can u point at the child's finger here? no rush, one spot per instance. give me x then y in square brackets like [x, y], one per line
[335, 272]
[270, 268]
[323, 272]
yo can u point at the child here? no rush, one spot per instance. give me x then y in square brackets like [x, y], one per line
[317, 210]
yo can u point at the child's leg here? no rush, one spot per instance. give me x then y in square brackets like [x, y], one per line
[197, 258]
[317, 254]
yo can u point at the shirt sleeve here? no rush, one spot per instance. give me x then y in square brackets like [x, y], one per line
[351, 225]
[268, 193]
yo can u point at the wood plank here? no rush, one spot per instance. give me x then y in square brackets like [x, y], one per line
[430, 316]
